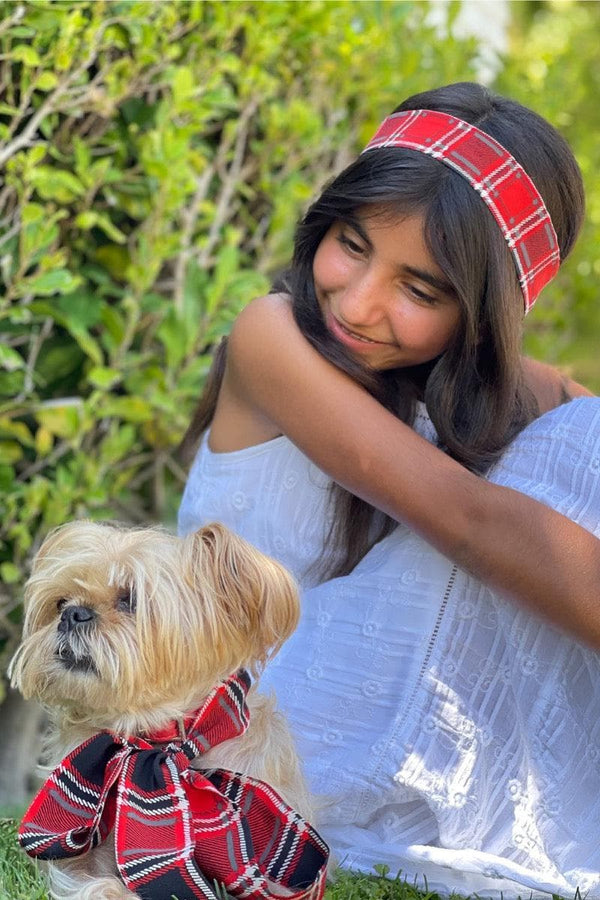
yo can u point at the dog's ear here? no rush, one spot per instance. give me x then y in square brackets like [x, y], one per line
[251, 601]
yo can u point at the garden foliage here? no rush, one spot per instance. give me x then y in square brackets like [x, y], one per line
[553, 67]
[156, 157]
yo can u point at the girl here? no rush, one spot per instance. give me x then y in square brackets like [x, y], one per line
[439, 684]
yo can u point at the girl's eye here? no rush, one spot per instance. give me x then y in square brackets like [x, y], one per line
[350, 244]
[126, 601]
[421, 296]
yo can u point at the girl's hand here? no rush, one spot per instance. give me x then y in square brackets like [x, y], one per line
[550, 386]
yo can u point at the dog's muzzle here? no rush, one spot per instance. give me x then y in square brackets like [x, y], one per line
[74, 624]
[75, 617]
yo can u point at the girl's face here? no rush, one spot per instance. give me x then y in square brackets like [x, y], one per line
[381, 293]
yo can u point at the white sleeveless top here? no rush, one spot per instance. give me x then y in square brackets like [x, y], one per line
[455, 735]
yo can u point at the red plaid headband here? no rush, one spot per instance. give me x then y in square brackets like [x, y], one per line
[179, 831]
[503, 185]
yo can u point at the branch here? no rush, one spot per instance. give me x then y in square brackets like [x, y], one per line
[24, 139]
[47, 461]
[23, 109]
[37, 341]
[231, 179]
[10, 233]
[6, 24]
[190, 216]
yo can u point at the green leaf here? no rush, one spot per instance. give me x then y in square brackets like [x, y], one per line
[86, 220]
[118, 443]
[83, 157]
[114, 259]
[11, 383]
[174, 338]
[17, 430]
[44, 441]
[10, 452]
[131, 409]
[22, 31]
[40, 230]
[10, 359]
[146, 380]
[25, 54]
[93, 219]
[56, 184]
[7, 478]
[183, 84]
[90, 347]
[227, 263]
[103, 377]
[82, 309]
[62, 420]
[59, 281]
[9, 573]
[114, 327]
[47, 81]
[59, 364]
[76, 313]
[32, 212]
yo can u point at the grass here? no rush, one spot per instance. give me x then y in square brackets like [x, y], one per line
[20, 879]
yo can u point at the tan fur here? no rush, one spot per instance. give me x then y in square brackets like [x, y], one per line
[206, 605]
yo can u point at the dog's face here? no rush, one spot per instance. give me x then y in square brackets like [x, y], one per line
[134, 625]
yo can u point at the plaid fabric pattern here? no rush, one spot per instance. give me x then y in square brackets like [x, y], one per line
[179, 831]
[500, 181]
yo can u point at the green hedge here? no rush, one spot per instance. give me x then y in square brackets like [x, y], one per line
[553, 67]
[155, 159]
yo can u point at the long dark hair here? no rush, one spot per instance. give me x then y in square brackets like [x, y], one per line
[474, 392]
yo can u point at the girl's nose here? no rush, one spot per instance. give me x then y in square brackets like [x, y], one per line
[361, 302]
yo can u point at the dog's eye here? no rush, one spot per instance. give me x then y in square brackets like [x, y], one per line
[61, 603]
[126, 601]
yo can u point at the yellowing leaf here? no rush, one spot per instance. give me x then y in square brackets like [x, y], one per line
[132, 409]
[47, 81]
[63, 421]
[44, 441]
[10, 452]
[25, 54]
[17, 430]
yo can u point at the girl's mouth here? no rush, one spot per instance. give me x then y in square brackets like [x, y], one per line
[350, 338]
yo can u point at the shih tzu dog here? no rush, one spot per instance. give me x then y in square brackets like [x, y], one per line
[170, 776]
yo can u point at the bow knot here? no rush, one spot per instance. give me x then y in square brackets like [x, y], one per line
[178, 831]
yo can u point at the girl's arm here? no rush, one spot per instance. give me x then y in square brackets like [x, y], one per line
[550, 386]
[276, 382]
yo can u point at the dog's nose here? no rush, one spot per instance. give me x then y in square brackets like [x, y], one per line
[74, 616]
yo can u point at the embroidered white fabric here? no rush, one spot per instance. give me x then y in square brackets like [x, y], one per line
[456, 735]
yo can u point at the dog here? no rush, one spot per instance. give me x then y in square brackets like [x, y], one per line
[129, 633]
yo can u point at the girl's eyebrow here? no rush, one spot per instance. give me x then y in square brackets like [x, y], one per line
[356, 225]
[439, 284]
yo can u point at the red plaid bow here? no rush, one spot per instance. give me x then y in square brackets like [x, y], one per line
[503, 185]
[178, 831]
